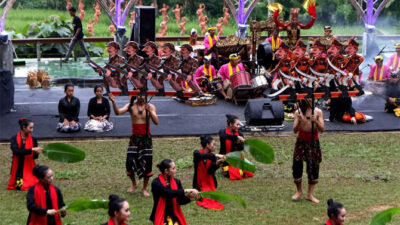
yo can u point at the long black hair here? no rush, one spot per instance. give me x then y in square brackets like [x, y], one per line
[230, 119]
[24, 122]
[205, 140]
[39, 171]
[165, 164]
[334, 208]
[114, 204]
[131, 102]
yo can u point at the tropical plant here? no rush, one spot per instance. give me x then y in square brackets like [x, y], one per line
[83, 204]
[52, 27]
[384, 217]
[220, 196]
[61, 152]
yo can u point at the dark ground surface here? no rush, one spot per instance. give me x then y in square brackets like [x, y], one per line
[176, 119]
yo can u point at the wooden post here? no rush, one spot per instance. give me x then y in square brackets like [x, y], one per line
[38, 53]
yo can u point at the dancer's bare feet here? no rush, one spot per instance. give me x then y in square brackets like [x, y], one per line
[311, 198]
[131, 189]
[296, 196]
[145, 193]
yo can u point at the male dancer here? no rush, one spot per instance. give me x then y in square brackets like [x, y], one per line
[139, 157]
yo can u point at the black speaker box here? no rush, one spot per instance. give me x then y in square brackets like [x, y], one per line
[145, 24]
[260, 112]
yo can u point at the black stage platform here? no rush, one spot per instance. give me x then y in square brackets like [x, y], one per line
[176, 119]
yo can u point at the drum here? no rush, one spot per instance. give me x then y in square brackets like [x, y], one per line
[259, 83]
[240, 80]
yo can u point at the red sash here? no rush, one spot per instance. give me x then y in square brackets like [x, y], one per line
[28, 179]
[205, 182]
[235, 173]
[40, 200]
[159, 217]
[306, 135]
[111, 222]
[140, 129]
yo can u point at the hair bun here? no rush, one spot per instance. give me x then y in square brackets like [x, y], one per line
[21, 120]
[113, 197]
[330, 202]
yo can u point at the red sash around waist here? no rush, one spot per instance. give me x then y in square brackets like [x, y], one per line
[306, 135]
[140, 129]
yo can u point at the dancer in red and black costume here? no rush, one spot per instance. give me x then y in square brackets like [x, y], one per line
[118, 210]
[352, 63]
[231, 139]
[283, 54]
[302, 62]
[307, 147]
[336, 213]
[44, 200]
[168, 195]
[25, 150]
[320, 65]
[205, 165]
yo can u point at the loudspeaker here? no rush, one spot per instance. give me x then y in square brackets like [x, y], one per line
[260, 112]
[145, 24]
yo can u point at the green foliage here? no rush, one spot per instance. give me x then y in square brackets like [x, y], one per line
[260, 150]
[185, 162]
[61, 152]
[220, 196]
[237, 160]
[81, 205]
[385, 216]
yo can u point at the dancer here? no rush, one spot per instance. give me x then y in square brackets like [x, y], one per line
[307, 147]
[118, 210]
[199, 12]
[98, 112]
[150, 48]
[336, 213]
[205, 165]
[25, 150]
[182, 24]
[68, 110]
[164, 11]
[168, 195]
[44, 200]
[231, 139]
[139, 157]
[219, 26]
[394, 60]
[227, 15]
[78, 36]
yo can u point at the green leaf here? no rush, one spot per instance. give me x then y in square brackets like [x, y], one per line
[220, 196]
[61, 152]
[236, 160]
[80, 205]
[384, 217]
[260, 150]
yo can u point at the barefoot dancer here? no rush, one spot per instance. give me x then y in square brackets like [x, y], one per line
[303, 150]
[140, 154]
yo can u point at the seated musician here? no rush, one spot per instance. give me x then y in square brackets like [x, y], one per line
[394, 60]
[379, 71]
[112, 78]
[231, 139]
[392, 93]
[136, 60]
[225, 72]
[210, 40]
[205, 165]
[188, 67]
[205, 74]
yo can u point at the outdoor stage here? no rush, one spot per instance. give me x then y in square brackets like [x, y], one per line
[176, 119]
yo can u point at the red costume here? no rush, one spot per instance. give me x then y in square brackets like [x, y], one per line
[22, 163]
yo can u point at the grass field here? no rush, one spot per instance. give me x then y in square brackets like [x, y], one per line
[359, 170]
[20, 18]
